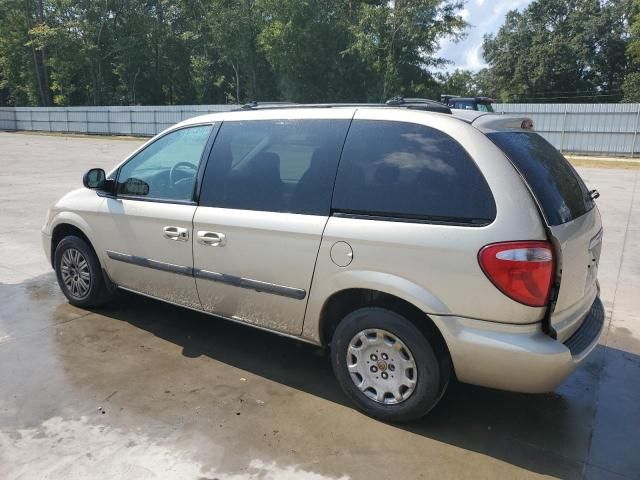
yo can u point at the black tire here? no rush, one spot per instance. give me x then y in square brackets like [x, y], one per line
[97, 293]
[432, 373]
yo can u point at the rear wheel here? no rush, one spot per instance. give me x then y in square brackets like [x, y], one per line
[79, 274]
[385, 365]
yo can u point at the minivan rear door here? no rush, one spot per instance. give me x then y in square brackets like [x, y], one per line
[571, 216]
[263, 207]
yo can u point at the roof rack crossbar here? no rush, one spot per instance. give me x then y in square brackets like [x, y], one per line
[419, 104]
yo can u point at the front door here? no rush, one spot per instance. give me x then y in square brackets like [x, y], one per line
[148, 229]
[264, 203]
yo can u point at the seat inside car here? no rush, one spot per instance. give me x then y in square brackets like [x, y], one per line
[315, 181]
[257, 186]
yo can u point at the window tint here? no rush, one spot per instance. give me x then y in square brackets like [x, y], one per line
[463, 105]
[561, 192]
[166, 169]
[410, 171]
[274, 165]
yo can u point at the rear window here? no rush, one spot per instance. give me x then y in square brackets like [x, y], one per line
[463, 105]
[559, 189]
[405, 170]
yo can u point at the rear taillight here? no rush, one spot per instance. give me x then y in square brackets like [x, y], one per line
[522, 271]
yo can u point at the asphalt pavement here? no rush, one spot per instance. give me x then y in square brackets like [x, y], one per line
[145, 390]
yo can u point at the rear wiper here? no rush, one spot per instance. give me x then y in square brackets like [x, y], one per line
[593, 194]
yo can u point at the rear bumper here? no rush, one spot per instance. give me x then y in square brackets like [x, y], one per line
[519, 358]
[586, 336]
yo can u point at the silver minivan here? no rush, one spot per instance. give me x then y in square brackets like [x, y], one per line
[417, 244]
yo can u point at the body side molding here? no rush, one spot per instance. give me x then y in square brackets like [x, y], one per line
[248, 283]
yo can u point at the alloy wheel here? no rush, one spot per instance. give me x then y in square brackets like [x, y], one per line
[75, 273]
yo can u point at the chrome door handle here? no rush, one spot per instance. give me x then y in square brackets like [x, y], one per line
[213, 239]
[176, 233]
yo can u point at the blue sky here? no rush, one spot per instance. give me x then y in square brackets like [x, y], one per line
[484, 16]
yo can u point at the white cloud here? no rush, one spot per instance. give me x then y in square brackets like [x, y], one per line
[484, 17]
[473, 58]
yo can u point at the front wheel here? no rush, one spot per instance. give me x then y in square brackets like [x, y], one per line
[79, 274]
[385, 365]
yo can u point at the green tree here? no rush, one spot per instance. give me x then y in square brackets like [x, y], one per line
[631, 86]
[561, 50]
[23, 65]
[633, 47]
[460, 82]
[399, 40]
[306, 43]
[96, 52]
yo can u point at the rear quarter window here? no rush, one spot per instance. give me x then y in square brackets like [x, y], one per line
[559, 189]
[410, 171]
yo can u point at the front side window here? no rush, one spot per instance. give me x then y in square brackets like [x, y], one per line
[166, 169]
[274, 165]
[405, 170]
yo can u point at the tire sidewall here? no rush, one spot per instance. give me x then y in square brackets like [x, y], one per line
[95, 271]
[428, 386]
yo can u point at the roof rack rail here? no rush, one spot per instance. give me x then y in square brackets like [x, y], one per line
[254, 104]
[399, 102]
[418, 104]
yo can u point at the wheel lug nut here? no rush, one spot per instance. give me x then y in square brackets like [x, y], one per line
[374, 357]
[392, 367]
[384, 375]
[374, 369]
[385, 356]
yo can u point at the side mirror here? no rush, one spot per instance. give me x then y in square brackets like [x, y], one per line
[94, 179]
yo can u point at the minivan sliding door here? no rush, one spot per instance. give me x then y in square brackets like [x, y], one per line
[264, 204]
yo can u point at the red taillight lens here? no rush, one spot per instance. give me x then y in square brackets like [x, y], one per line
[522, 271]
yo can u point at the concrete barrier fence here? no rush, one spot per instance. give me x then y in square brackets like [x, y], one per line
[590, 129]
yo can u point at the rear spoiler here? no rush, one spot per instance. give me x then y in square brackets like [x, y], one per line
[498, 123]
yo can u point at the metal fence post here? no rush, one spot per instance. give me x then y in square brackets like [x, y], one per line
[155, 122]
[635, 132]
[564, 125]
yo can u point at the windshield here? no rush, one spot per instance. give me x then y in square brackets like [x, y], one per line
[559, 189]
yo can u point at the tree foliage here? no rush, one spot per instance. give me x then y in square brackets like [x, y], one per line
[631, 86]
[143, 52]
[97, 52]
[561, 50]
